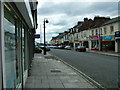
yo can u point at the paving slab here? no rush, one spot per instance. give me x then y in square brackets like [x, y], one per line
[52, 73]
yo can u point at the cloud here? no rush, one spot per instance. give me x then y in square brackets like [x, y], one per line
[64, 15]
[104, 8]
[77, 8]
[68, 8]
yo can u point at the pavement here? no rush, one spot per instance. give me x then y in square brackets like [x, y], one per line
[109, 53]
[49, 72]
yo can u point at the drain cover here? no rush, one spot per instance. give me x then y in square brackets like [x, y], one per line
[50, 57]
[55, 70]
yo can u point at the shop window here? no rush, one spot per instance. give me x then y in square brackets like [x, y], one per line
[14, 45]
[23, 47]
[10, 48]
[19, 50]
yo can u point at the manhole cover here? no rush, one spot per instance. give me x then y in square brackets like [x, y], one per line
[55, 70]
[50, 57]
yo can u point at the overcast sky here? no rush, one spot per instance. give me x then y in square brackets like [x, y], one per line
[64, 14]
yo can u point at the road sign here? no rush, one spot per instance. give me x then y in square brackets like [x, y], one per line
[36, 35]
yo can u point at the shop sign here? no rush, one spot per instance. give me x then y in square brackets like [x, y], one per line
[36, 35]
[108, 38]
[70, 41]
[80, 40]
[93, 37]
[75, 40]
[117, 35]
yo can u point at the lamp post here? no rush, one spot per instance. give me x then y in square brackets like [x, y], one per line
[100, 43]
[45, 21]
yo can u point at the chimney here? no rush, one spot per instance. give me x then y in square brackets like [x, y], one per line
[85, 19]
[99, 20]
[96, 18]
[79, 22]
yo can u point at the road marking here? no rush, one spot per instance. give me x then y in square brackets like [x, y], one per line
[83, 74]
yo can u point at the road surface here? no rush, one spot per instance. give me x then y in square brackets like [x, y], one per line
[101, 68]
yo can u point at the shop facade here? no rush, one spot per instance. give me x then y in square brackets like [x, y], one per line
[76, 44]
[108, 43]
[16, 41]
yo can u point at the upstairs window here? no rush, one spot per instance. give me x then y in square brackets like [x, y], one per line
[111, 29]
[92, 32]
[101, 31]
[105, 31]
[96, 32]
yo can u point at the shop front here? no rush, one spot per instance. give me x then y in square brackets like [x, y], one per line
[16, 43]
[85, 43]
[66, 43]
[71, 43]
[94, 41]
[76, 44]
[108, 43]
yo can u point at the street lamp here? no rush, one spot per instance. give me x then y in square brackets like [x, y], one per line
[45, 21]
[100, 43]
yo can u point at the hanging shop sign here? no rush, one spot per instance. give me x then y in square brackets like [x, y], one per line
[93, 37]
[108, 38]
[117, 35]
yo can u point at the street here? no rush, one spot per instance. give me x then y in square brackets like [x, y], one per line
[101, 68]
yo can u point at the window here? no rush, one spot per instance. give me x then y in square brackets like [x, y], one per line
[77, 36]
[23, 46]
[111, 29]
[96, 32]
[105, 31]
[92, 32]
[101, 31]
[9, 48]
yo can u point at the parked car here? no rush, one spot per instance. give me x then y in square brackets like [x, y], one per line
[38, 50]
[42, 47]
[47, 48]
[56, 47]
[95, 48]
[61, 47]
[53, 47]
[68, 47]
[81, 48]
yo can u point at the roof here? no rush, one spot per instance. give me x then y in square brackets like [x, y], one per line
[113, 20]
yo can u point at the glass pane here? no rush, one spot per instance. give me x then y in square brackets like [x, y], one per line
[10, 50]
[18, 49]
[23, 47]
